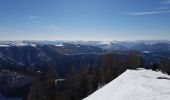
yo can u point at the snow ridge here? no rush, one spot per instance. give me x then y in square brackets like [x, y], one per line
[135, 85]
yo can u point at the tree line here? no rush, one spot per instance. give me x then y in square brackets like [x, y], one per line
[83, 81]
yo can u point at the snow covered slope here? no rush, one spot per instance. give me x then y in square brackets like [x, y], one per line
[135, 85]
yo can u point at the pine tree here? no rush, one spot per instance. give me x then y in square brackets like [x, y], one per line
[110, 67]
[134, 60]
[50, 83]
[43, 87]
[165, 65]
[73, 83]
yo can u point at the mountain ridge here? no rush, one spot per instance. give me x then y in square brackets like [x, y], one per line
[135, 85]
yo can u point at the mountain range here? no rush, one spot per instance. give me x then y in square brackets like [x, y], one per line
[31, 57]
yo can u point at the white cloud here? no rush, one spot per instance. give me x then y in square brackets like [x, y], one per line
[47, 27]
[51, 27]
[34, 19]
[166, 1]
[163, 8]
[160, 10]
[148, 13]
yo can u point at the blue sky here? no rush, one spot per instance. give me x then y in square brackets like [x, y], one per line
[84, 19]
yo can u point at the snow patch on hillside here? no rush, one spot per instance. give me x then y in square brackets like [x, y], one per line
[4, 45]
[135, 85]
[59, 45]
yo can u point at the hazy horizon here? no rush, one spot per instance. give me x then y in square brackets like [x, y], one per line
[158, 40]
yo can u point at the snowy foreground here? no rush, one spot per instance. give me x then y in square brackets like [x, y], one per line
[135, 85]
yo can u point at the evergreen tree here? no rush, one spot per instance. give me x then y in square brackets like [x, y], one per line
[43, 87]
[109, 67]
[72, 83]
[165, 65]
[134, 60]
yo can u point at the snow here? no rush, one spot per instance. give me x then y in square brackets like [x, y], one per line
[59, 80]
[38, 71]
[33, 45]
[104, 42]
[59, 45]
[135, 85]
[16, 43]
[146, 52]
[4, 45]
[19, 44]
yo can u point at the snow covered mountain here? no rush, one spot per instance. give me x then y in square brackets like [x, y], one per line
[31, 53]
[16, 43]
[135, 85]
[107, 45]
